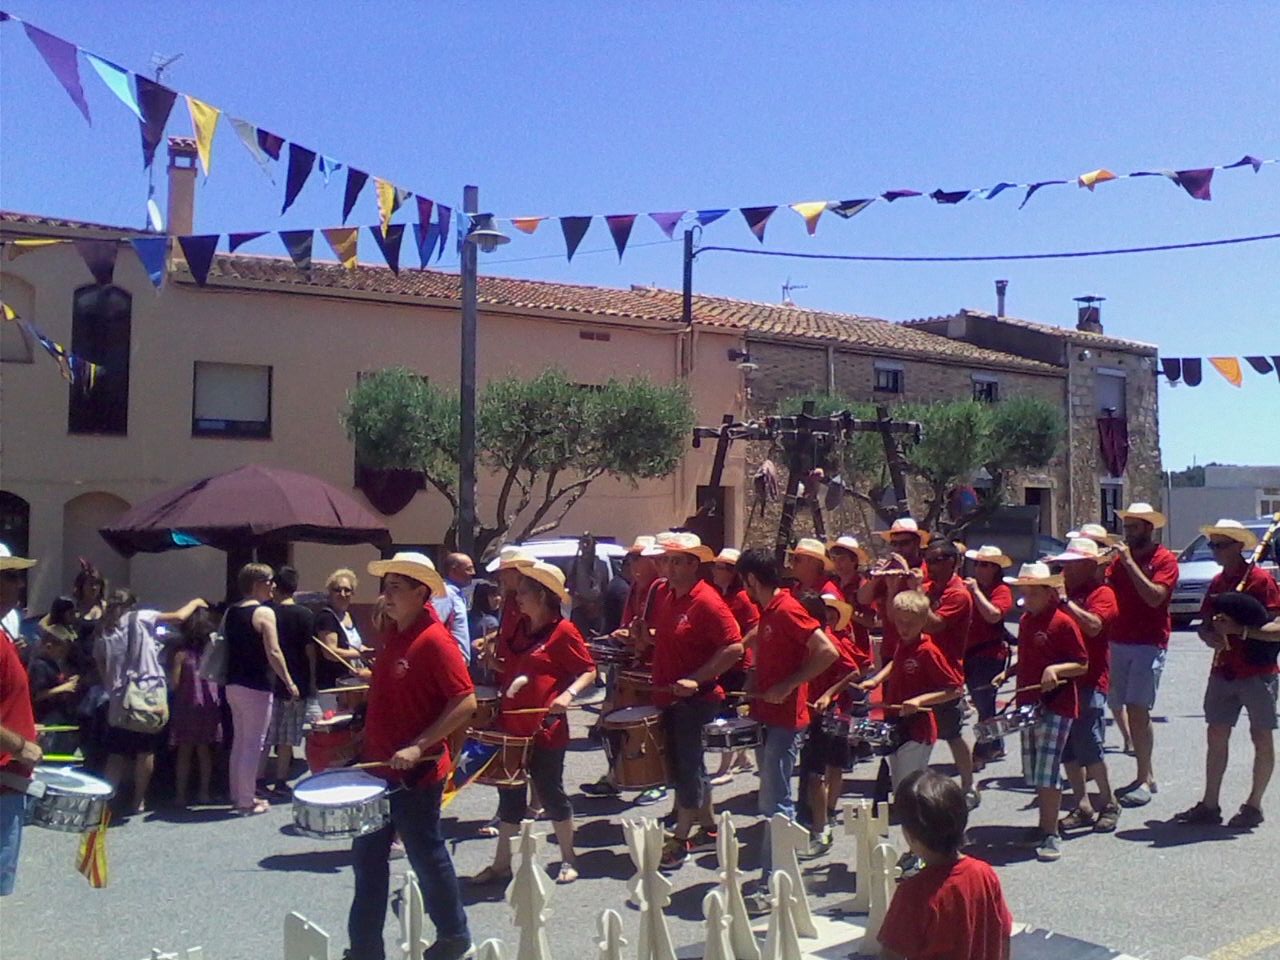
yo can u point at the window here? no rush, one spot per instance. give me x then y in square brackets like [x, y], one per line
[231, 400]
[1268, 501]
[888, 378]
[100, 333]
[986, 389]
[1112, 493]
[15, 523]
[1110, 392]
[594, 335]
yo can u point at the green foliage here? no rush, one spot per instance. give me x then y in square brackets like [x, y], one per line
[1026, 433]
[956, 441]
[860, 456]
[399, 420]
[640, 430]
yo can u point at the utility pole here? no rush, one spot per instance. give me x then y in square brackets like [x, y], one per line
[466, 538]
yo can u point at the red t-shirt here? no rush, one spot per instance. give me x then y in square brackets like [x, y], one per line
[849, 659]
[949, 911]
[510, 617]
[782, 644]
[689, 631]
[919, 668]
[747, 614]
[882, 599]
[861, 636]
[552, 659]
[1261, 584]
[1043, 640]
[417, 672]
[15, 703]
[636, 598]
[1100, 600]
[990, 640]
[953, 604]
[1137, 622]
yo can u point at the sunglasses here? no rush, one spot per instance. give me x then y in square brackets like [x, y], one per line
[1221, 544]
[344, 591]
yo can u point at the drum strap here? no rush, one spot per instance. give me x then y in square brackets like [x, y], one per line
[24, 785]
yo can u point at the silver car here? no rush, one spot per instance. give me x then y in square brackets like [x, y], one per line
[1196, 567]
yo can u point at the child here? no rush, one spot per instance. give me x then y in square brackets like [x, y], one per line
[1051, 656]
[953, 909]
[195, 720]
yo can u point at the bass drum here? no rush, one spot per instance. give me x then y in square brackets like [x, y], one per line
[636, 747]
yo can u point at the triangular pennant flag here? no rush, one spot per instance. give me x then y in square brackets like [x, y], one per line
[1275, 362]
[757, 218]
[425, 207]
[117, 80]
[328, 167]
[1245, 161]
[343, 242]
[574, 229]
[1261, 365]
[527, 224]
[1172, 368]
[204, 120]
[270, 143]
[952, 196]
[998, 189]
[389, 244]
[100, 257]
[152, 253]
[810, 211]
[893, 195]
[236, 240]
[1196, 182]
[248, 135]
[1229, 367]
[156, 102]
[620, 229]
[7, 312]
[61, 57]
[708, 217]
[1192, 372]
[850, 208]
[1033, 187]
[1094, 177]
[443, 214]
[402, 197]
[298, 243]
[388, 201]
[198, 251]
[56, 350]
[356, 179]
[466, 222]
[301, 162]
[427, 236]
[666, 222]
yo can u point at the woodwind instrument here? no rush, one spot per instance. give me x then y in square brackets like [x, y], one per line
[1259, 551]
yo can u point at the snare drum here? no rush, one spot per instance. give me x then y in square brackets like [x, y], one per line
[635, 746]
[729, 734]
[73, 801]
[635, 689]
[1011, 721]
[607, 652]
[509, 766]
[340, 805]
[331, 742]
[356, 697]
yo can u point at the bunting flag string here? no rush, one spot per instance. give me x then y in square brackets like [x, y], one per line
[204, 121]
[73, 369]
[1189, 370]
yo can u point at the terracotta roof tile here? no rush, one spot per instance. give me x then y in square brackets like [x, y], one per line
[1066, 333]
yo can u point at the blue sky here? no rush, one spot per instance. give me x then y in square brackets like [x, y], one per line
[585, 108]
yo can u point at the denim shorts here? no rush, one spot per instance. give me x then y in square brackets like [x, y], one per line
[1135, 674]
[1088, 731]
[13, 813]
[1223, 700]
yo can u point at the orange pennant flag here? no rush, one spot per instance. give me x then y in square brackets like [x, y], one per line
[204, 120]
[1229, 367]
[811, 210]
[1094, 177]
[388, 201]
[343, 242]
[527, 224]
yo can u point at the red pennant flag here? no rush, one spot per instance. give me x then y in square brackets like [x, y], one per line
[574, 228]
[620, 229]
[1196, 182]
[757, 218]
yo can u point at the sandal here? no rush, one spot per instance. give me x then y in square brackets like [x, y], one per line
[1108, 819]
[1200, 815]
[488, 875]
[259, 806]
[568, 873]
[1248, 818]
[1077, 819]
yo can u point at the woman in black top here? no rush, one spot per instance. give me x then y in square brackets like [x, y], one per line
[337, 632]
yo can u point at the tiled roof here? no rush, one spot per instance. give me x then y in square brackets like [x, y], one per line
[1066, 333]
[36, 220]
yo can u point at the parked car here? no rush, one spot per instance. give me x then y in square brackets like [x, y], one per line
[562, 550]
[1196, 567]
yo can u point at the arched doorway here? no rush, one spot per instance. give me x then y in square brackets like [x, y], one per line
[82, 517]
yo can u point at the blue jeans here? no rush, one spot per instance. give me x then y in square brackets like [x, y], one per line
[415, 817]
[13, 813]
[776, 760]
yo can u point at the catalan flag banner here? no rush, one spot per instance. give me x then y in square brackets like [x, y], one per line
[471, 761]
[91, 859]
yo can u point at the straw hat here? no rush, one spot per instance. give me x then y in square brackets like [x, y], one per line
[729, 557]
[1143, 511]
[549, 575]
[851, 545]
[415, 566]
[659, 545]
[845, 610]
[9, 562]
[1096, 532]
[1035, 575]
[641, 544]
[1233, 529]
[989, 554]
[905, 525]
[1079, 548]
[809, 547]
[686, 543]
[511, 558]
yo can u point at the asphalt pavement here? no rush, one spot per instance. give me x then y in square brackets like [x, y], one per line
[1154, 889]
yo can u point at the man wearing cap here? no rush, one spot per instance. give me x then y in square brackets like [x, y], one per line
[1143, 576]
[892, 575]
[420, 692]
[1243, 675]
[19, 751]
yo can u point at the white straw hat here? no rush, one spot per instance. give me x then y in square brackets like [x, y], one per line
[1143, 511]
[905, 525]
[641, 544]
[809, 547]
[686, 543]
[415, 566]
[1094, 531]
[838, 604]
[989, 554]
[1079, 548]
[549, 575]
[9, 562]
[1233, 529]
[729, 557]
[1035, 575]
[851, 545]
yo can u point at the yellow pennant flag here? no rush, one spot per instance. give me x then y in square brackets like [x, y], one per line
[388, 201]
[204, 120]
[527, 224]
[343, 241]
[811, 210]
[1229, 367]
[1095, 177]
[91, 858]
[7, 312]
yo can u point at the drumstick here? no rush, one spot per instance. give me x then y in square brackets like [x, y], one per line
[55, 728]
[370, 764]
[354, 688]
[899, 706]
[355, 671]
[572, 706]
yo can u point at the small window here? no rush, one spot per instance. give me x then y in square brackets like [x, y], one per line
[1110, 391]
[231, 400]
[986, 389]
[888, 379]
[1111, 496]
[101, 322]
[1269, 501]
[594, 335]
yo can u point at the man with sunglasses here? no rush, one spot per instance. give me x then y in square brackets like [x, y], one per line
[1243, 675]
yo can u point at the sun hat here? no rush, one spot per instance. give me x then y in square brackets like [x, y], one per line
[511, 558]
[1035, 575]
[640, 544]
[845, 610]
[905, 525]
[851, 545]
[1233, 529]
[686, 543]
[729, 557]
[659, 546]
[9, 562]
[1096, 532]
[1080, 548]
[809, 547]
[415, 566]
[549, 575]
[1143, 511]
[989, 554]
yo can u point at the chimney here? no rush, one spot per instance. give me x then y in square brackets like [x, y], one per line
[181, 215]
[1089, 314]
[1001, 287]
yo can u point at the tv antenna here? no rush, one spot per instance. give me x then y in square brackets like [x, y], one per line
[160, 64]
[788, 287]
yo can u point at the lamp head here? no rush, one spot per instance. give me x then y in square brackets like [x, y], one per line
[484, 234]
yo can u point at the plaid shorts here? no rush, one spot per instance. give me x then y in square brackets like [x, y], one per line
[1042, 747]
[287, 719]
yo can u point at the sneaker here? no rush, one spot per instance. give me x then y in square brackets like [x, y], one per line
[703, 839]
[1248, 818]
[1200, 815]
[1108, 818]
[453, 948]
[652, 795]
[674, 853]
[601, 788]
[972, 799]
[1049, 848]
[819, 846]
[1135, 795]
[758, 902]
[1077, 819]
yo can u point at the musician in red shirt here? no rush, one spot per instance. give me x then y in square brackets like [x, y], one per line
[1244, 675]
[724, 576]
[19, 751]
[1143, 576]
[848, 558]
[892, 575]
[986, 650]
[811, 567]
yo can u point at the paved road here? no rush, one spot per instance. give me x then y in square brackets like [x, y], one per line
[1153, 890]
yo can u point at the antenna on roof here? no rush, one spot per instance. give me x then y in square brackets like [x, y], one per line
[786, 291]
[159, 65]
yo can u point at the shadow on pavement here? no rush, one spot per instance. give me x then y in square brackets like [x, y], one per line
[312, 861]
[687, 903]
[999, 845]
[596, 864]
[204, 814]
[1162, 834]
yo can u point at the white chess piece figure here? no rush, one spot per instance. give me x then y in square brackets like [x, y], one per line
[786, 839]
[412, 929]
[782, 940]
[744, 943]
[303, 940]
[868, 827]
[528, 894]
[649, 889]
[884, 871]
[491, 949]
[717, 946]
[611, 942]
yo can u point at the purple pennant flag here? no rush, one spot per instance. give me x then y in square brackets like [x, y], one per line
[100, 257]
[954, 196]
[443, 214]
[298, 243]
[851, 208]
[427, 236]
[198, 251]
[574, 228]
[236, 240]
[708, 217]
[1191, 371]
[62, 60]
[301, 162]
[155, 101]
[1172, 368]
[1196, 182]
[152, 252]
[1262, 365]
[356, 179]
[757, 218]
[270, 144]
[668, 221]
[1245, 161]
[1032, 188]
[999, 188]
[620, 229]
[390, 244]
[425, 207]
[893, 195]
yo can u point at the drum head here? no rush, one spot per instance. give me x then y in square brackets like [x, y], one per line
[629, 715]
[339, 787]
[484, 693]
[352, 682]
[330, 724]
[733, 723]
[64, 780]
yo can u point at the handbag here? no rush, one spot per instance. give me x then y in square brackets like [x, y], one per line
[141, 704]
[213, 662]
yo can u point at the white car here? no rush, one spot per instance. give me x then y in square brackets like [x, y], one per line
[1196, 567]
[562, 550]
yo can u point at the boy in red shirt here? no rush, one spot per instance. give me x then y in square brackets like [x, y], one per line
[953, 909]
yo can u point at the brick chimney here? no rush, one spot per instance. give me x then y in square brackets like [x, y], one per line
[1089, 314]
[1001, 287]
[181, 215]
